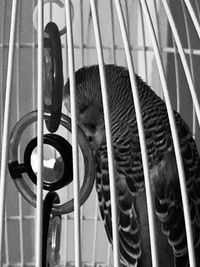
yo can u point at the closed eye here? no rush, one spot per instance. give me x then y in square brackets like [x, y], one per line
[90, 126]
[83, 108]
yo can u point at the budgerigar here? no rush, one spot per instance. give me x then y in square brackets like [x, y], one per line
[133, 228]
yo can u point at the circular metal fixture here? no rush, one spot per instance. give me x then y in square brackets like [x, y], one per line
[57, 163]
[17, 168]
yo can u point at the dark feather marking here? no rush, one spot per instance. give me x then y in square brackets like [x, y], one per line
[129, 171]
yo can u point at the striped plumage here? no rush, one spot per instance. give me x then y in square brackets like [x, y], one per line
[132, 214]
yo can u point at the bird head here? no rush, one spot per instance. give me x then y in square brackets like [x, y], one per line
[88, 104]
[89, 100]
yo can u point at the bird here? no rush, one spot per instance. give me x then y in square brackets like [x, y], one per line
[132, 218]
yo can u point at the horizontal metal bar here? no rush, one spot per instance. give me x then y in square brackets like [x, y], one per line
[115, 47]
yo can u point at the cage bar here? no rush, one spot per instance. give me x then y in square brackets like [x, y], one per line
[1, 69]
[177, 77]
[198, 8]
[6, 239]
[193, 16]
[18, 116]
[83, 47]
[40, 130]
[95, 233]
[108, 134]
[5, 141]
[143, 42]
[1, 125]
[77, 227]
[112, 31]
[81, 31]
[190, 61]
[149, 196]
[174, 137]
[183, 59]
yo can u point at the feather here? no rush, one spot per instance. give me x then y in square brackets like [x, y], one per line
[131, 202]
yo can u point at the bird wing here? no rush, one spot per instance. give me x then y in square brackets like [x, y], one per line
[168, 201]
[164, 174]
[165, 180]
[129, 238]
[165, 183]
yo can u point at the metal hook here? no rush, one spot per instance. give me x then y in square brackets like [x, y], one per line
[60, 3]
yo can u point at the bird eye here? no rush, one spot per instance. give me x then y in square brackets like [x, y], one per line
[90, 138]
[91, 127]
[83, 108]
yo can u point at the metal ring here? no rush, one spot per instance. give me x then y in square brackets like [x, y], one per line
[53, 89]
[64, 149]
[51, 231]
[20, 183]
[60, 4]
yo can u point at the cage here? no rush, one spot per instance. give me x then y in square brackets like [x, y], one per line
[159, 38]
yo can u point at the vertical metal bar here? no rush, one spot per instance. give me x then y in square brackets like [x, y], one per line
[193, 16]
[191, 62]
[176, 76]
[198, 9]
[183, 59]
[149, 196]
[39, 201]
[18, 115]
[108, 134]
[82, 63]
[81, 32]
[126, 20]
[6, 239]
[65, 218]
[65, 222]
[1, 112]
[112, 32]
[34, 64]
[143, 42]
[177, 150]
[109, 255]
[156, 21]
[95, 231]
[64, 54]
[2, 23]
[77, 239]
[5, 140]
